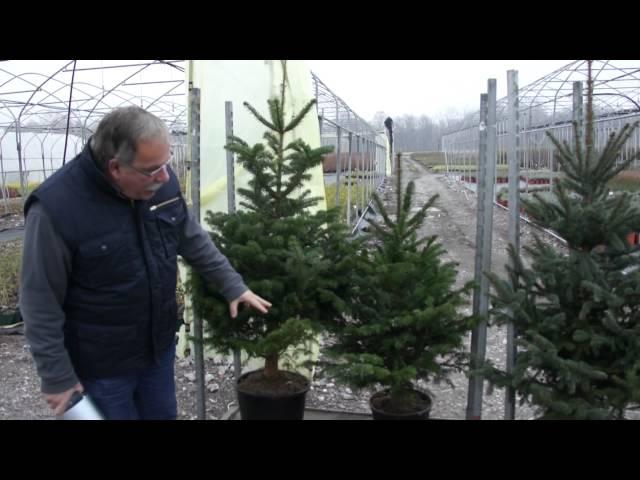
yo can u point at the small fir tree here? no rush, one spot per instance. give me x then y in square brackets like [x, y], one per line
[577, 313]
[294, 258]
[405, 322]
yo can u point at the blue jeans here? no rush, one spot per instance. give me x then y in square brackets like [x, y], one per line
[146, 395]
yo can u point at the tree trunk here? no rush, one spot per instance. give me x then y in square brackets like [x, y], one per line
[271, 365]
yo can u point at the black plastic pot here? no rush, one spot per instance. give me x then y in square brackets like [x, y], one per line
[380, 414]
[10, 317]
[272, 407]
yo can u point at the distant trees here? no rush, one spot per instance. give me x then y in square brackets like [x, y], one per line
[421, 133]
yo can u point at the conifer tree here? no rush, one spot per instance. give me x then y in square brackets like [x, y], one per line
[294, 258]
[577, 313]
[405, 320]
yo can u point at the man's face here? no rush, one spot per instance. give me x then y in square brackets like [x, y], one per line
[146, 174]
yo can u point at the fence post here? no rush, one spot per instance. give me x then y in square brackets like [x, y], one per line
[513, 140]
[194, 104]
[487, 166]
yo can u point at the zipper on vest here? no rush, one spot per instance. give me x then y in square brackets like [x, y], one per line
[163, 204]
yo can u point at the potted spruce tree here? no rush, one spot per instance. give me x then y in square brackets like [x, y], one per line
[576, 312]
[404, 322]
[294, 258]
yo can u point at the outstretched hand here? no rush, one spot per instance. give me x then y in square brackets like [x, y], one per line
[251, 299]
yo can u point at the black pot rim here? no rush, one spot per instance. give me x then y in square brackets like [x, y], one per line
[408, 414]
[293, 394]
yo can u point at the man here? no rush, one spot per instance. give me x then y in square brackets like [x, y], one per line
[99, 271]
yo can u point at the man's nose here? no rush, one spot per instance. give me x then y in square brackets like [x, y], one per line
[162, 176]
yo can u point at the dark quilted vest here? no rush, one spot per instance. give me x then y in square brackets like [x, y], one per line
[120, 304]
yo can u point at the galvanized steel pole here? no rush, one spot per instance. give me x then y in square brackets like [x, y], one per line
[194, 104]
[231, 203]
[513, 140]
[578, 116]
[487, 167]
[349, 180]
[231, 180]
[338, 164]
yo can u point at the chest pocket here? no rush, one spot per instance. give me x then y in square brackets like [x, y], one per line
[103, 261]
[169, 221]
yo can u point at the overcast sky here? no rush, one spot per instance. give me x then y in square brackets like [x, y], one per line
[430, 87]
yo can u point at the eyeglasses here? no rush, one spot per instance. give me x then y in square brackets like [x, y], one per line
[153, 173]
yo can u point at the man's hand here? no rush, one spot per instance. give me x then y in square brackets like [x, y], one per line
[58, 401]
[251, 299]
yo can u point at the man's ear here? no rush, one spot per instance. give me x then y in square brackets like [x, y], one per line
[114, 168]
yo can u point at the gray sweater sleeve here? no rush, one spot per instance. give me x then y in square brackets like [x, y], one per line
[46, 263]
[197, 248]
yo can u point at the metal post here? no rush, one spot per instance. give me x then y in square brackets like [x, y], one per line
[316, 85]
[338, 163]
[378, 166]
[354, 176]
[374, 164]
[513, 140]
[2, 183]
[487, 165]
[365, 172]
[350, 130]
[231, 191]
[526, 148]
[372, 171]
[44, 166]
[194, 104]
[376, 160]
[446, 157]
[20, 157]
[361, 185]
[231, 204]
[369, 169]
[578, 116]
[379, 155]
[350, 181]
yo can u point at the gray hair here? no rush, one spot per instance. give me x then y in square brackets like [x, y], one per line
[120, 131]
